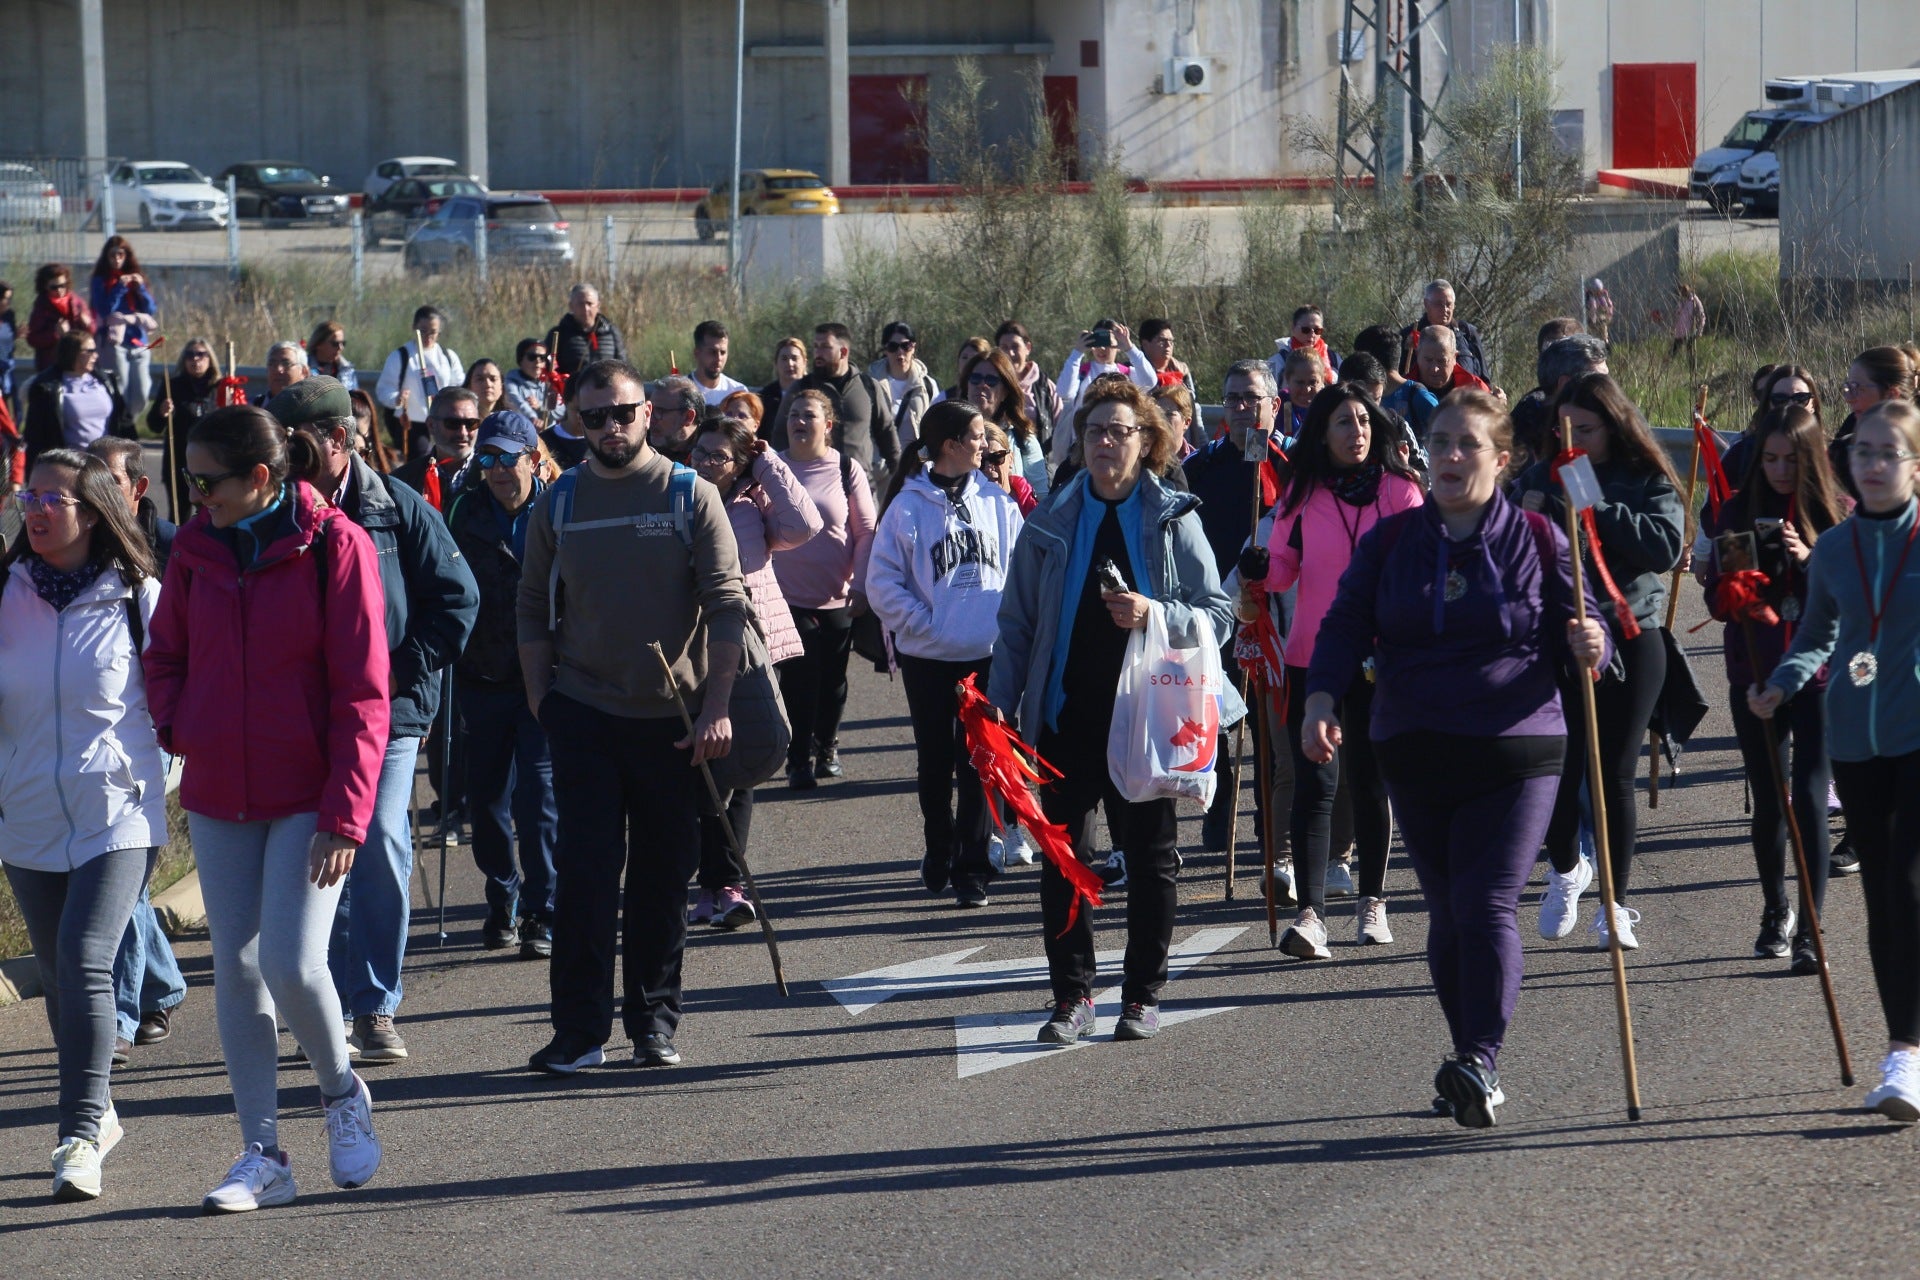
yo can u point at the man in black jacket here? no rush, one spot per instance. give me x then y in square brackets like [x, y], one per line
[1438, 310]
[584, 334]
[865, 431]
[431, 603]
[509, 769]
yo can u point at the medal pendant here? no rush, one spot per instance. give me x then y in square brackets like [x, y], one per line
[1790, 609]
[1862, 668]
[1456, 586]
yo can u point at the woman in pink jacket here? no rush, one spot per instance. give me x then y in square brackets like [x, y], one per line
[267, 670]
[1346, 477]
[770, 511]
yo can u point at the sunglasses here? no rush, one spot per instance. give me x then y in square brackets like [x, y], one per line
[995, 457]
[58, 286]
[897, 345]
[204, 485]
[597, 419]
[198, 355]
[463, 424]
[488, 461]
[538, 357]
[1313, 329]
[1801, 398]
[979, 379]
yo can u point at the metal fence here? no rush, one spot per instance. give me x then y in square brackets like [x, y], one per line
[50, 206]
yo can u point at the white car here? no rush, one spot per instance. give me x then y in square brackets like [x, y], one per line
[165, 193]
[28, 198]
[388, 172]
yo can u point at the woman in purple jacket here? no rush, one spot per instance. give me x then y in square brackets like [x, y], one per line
[1466, 607]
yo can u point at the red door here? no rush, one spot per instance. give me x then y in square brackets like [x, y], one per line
[887, 129]
[1063, 115]
[1653, 115]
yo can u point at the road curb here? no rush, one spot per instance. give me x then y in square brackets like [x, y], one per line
[181, 909]
[19, 980]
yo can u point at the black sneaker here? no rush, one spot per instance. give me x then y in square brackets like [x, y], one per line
[499, 932]
[935, 869]
[655, 1050]
[1071, 1019]
[565, 1054]
[800, 776]
[1138, 1022]
[1844, 861]
[1113, 872]
[536, 939]
[826, 760]
[969, 894]
[1472, 1087]
[1776, 926]
[374, 1036]
[154, 1027]
[1806, 961]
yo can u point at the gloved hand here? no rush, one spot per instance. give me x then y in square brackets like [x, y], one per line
[1253, 564]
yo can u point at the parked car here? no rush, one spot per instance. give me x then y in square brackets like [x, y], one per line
[398, 211]
[764, 191]
[400, 168]
[521, 227]
[28, 198]
[283, 191]
[165, 193]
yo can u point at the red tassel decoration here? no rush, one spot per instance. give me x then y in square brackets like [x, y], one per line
[1741, 596]
[1719, 487]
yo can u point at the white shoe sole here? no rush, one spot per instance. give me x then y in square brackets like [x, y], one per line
[278, 1194]
[1894, 1106]
[1297, 944]
[592, 1058]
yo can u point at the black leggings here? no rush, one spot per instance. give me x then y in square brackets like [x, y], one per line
[719, 867]
[1624, 707]
[942, 762]
[1314, 789]
[1801, 723]
[1882, 800]
[814, 685]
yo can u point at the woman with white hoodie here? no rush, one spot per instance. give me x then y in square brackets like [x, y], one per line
[937, 568]
[84, 793]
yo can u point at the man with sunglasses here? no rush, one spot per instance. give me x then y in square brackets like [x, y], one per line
[431, 604]
[624, 570]
[906, 387]
[438, 474]
[509, 770]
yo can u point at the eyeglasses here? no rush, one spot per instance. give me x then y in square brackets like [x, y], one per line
[1247, 401]
[597, 419]
[995, 457]
[897, 345]
[462, 424]
[720, 456]
[1439, 446]
[1869, 456]
[980, 378]
[204, 485]
[1111, 433]
[488, 461]
[1780, 398]
[1851, 388]
[48, 502]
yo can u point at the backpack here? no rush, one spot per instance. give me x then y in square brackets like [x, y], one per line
[761, 733]
[136, 625]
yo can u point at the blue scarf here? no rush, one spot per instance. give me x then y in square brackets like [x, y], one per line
[1079, 561]
[60, 587]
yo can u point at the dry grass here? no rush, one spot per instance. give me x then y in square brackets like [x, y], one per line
[175, 861]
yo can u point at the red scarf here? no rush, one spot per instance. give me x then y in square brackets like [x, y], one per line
[1629, 626]
[1319, 348]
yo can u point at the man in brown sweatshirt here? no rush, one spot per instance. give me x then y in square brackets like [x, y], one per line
[624, 770]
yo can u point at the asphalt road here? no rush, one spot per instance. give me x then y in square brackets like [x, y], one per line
[1285, 1132]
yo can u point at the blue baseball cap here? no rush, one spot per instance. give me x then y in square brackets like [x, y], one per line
[508, 430]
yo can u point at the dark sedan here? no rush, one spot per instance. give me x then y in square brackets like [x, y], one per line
[284, 191]
[396, 212]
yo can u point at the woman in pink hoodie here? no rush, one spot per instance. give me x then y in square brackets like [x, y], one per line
[1346, 477]
[267, 669]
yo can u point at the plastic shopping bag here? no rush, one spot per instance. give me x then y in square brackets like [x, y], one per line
[1167, 714]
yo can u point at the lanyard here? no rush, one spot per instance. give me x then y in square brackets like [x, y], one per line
[1866, 585]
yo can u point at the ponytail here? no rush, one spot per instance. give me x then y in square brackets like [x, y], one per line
[912, 459]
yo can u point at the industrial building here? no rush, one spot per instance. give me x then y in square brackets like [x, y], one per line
[639, 93]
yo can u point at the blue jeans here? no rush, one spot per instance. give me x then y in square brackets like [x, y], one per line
[370, 927]
[75, 920]
[509, 789]
[146, 977]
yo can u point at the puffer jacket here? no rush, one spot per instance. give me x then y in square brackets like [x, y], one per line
[937, 570]
[491, 659]
[81, 772]
[1642, 532]
[1179, 575]
[770, 510]
[274, 690]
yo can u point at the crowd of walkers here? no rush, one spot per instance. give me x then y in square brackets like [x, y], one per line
[566, 585]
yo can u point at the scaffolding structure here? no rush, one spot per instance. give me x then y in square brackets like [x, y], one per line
[1384, 137]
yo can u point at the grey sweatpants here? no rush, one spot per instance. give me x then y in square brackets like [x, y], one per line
[270, 928]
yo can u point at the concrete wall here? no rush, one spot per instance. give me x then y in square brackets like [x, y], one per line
[1850, 193]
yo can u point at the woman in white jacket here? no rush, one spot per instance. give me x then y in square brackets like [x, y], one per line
[938, 565]
[83, 784]
[1098, 352]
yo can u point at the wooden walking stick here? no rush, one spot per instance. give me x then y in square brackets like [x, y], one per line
[1673, 588]
[1580, 489]
[1233, 772]
[726, 827]
[166, 418]
[1798, 841]
[1263, 748]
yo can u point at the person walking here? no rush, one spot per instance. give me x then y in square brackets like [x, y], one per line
[1464, 606]
[431, 601]
[85, 804]
[1640, 537]
[327, 354]
[988, 380]
[418, 370]
[604, 577]
[193, 390]
[1042, 397]
[862, 425]
[121, 298]
[906, 384]
[526, 388]
[57, 311]
[789, 366]
[1599, 307]
[936, 577]
[1105, 348]
[266, 649]
[769, 510]
[820, 579]
[1689, 322]
[1863, 615]
[509, 766]
[73, 402]
[1057, 660]
[1876, 375]
[585, 334]
[1787, 500]
[1347, 476]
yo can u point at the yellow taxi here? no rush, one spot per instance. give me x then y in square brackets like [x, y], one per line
[764, 191]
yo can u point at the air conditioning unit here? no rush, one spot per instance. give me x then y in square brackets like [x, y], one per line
[1188, 75]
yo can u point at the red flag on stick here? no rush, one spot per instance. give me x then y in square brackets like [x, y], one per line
[1629, 627]
[1719, 488]
[230, 390]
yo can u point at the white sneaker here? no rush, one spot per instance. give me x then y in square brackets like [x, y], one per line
[1370, 923]
[110, 1131]
[1560, 905]
[1339, 879]
[1306, 937]
[76, 1170]
[1898, 1097]
[256, 1181]
[353, 1152]
[1624, 918]
[1283, 881]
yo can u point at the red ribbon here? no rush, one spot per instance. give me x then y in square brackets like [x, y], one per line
[1008, 770]
[1719, 488]
[1741, 597]
[433, 490]
[1629, 627]
[230, 390]
[1258, 649]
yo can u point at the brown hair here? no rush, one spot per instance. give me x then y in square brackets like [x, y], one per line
[1600, 395]
[824, 400]
[1012, 413]
[1895, 370]
[48, 273]
[1157, 451]
[117, 539]
[1817, 494]
[104, 266]
[323, 332]
[1764, 405]
[1480, 407]
[1903, 417]
[1176, 394]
